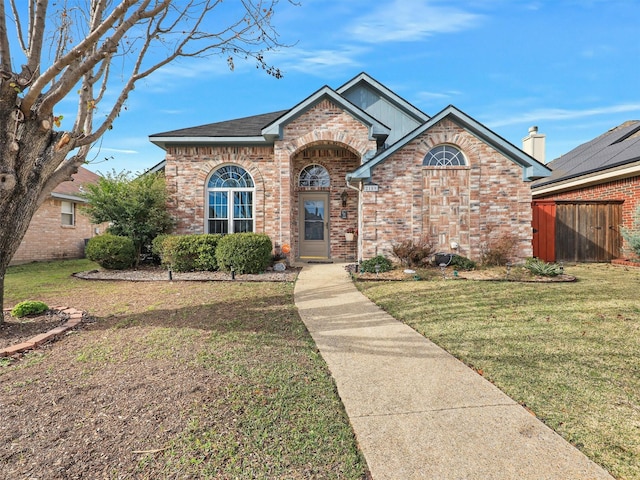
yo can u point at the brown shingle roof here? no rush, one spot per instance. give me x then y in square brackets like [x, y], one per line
[74, 187]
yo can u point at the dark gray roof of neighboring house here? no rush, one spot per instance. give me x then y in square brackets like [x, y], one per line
[239, 127]
[617, 147]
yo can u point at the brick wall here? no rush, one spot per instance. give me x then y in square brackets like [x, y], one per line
[473, 205]
[275, 171]
[626, 189]
[48, 239]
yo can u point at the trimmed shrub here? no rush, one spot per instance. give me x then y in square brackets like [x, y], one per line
[245, 252]
[29, 307]
[186, 253]
[462, 263]
[111, 251]
[370, 265]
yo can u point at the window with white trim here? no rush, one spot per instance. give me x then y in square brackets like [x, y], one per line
[444, 156]
[314, 175]
[68, 213]
[230, 193]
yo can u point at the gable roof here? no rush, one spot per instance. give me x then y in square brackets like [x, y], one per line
[377, 130]
[531, 168]
[73, 189]
[365, 79]
[610, 152]
[239, 130]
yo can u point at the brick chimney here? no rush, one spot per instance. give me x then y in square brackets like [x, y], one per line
[533, 144]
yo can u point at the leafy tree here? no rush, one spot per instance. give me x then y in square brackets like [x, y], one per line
[95, 51]
[136, 208]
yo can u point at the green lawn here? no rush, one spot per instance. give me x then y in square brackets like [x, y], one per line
[568, 351]
[225, 374]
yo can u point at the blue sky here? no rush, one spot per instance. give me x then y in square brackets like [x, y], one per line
[570, 67]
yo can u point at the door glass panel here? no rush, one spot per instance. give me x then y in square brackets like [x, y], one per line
[314, 220]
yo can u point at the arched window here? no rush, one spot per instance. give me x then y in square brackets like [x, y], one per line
[444, 156]
[314, 176]
[230, 200]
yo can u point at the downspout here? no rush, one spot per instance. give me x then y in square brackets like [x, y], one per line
[359, 243]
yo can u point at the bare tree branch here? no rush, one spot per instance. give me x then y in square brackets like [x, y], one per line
[5, 49]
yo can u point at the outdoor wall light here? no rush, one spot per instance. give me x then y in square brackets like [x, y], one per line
[343, 196]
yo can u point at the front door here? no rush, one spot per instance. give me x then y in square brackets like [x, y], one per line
[314, 225]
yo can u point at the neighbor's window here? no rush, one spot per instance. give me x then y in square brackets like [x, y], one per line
[230, 193]
[314, 176]
[68, 213]
[444, 156]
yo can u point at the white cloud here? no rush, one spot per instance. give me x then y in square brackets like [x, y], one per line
[324, 62]
[404, 21]
[555, 114]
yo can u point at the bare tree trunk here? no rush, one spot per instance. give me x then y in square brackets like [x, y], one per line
[30, 154]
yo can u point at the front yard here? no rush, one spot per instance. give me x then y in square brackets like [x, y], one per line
[570, 351]
[171, 380]
[222, 380]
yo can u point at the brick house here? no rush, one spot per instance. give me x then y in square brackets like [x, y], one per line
[593, 191]
[357, 158]
[58, 229]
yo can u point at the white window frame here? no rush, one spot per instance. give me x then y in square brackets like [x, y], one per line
[65, 213]
[444, 156]
[314, 175]
[234, 187]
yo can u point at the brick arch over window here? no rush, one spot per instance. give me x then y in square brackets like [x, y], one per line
[449, 134]
[299, 146]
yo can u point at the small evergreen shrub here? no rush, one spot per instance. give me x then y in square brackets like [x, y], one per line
[245, 252]
[111, 251]
[542, 268]
[29, 307]
[462, 263]
[414, 254]
[186, 253]
[370, 265]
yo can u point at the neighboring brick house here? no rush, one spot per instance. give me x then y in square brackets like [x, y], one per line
[593, 191]
[355, 158]
[58, 229]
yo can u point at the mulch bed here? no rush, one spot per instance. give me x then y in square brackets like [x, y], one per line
[151, 273]
[17, 330]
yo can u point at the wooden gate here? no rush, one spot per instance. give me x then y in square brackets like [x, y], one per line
[576, 231]
[544, 230]
[588, 231]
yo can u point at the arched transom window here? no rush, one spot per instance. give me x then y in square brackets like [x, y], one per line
[314, 176]
[230, 193]
[444, 156]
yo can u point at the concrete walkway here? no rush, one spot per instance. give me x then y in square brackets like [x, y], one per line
[417, 412]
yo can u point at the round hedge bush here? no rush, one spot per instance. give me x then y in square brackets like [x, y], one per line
[29, 307]
[111, 251]
[245, 252]
[370, 264]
